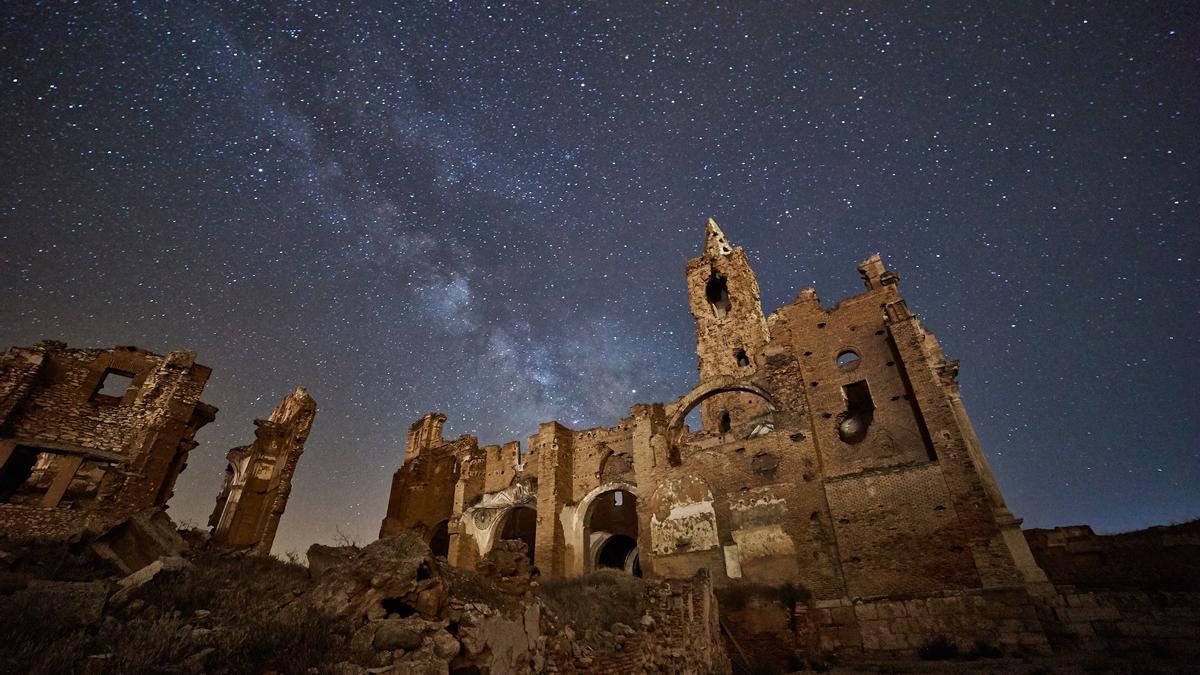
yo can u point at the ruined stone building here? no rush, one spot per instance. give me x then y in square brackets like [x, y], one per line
[258, 479]
[90, 436]
[833, 451]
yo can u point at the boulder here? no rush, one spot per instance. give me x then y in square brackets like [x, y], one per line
[381, 580]
[140, 578]
[321, 558]
[392, 635]
[139, 540]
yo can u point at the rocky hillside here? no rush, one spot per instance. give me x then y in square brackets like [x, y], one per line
[386, 608]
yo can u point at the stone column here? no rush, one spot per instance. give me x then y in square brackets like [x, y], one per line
[555, 473]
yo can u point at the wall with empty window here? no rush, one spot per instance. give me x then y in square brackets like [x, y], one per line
[864, 412]
[111, 429]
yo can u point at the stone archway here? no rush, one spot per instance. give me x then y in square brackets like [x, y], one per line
[703, 392]
[610, 531]
[439, 539]
[519, 523]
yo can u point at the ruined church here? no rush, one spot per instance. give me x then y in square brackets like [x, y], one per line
[833, 451]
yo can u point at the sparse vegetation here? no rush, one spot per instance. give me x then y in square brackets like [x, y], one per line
[595, 601]
[228, 615]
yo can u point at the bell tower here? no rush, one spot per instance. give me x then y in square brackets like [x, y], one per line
[731, 330]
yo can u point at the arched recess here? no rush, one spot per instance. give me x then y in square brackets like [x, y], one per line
[703, 392]
[610, 530]
[439, 539]
[520, 523]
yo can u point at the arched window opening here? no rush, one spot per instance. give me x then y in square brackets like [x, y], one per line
[693, 419]
[717, 293]
[611, 532]
[847, 358]
[742, 359]
[521, 524]
[619, 552]
[439, 543]
[725, 424]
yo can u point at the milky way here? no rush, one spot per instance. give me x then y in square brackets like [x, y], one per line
[485, 210]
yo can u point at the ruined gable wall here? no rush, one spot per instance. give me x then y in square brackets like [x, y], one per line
[61, 407]
[423, 489]
[252, 509]
[816, 337]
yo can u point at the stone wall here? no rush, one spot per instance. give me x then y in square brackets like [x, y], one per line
[78, 452]
[1162, 558]
[1011, 621]
[680, 632]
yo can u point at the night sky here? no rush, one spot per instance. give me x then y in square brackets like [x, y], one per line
[486, 210]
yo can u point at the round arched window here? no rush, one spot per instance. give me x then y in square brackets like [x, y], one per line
[847, 357]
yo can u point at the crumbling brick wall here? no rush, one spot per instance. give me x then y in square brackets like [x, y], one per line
[77, 453]
[679, 632]
[258, 480]
[1162, 558]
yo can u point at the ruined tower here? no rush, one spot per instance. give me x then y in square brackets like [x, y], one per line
[258, 479]
[730, 327]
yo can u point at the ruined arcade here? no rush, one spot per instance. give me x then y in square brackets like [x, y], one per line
[833, 452]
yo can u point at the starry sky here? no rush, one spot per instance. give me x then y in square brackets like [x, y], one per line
[485, 209]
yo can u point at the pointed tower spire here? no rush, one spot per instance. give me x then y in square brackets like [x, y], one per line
[715, 243]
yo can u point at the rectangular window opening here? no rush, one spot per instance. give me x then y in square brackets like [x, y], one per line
[114, 384]
[858, 397]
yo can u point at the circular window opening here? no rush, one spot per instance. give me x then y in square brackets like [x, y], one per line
[847, 358]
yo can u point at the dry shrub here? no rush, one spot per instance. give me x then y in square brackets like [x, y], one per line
[595, 601]
[255, 625]
[37, 640]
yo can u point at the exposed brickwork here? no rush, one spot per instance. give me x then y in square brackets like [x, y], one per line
[72, 455]
[258, 479]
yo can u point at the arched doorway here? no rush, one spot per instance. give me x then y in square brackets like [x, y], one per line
[611, 531]
[439, 541]
[520, 523]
